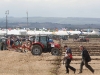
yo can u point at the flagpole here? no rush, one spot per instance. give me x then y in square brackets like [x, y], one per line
[27, 17]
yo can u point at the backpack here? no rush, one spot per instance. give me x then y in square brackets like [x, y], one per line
[87, 56]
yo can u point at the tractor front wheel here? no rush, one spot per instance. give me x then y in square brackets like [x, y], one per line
[36, 50]
[55, 51]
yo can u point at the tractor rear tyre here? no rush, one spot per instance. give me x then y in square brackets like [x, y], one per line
[55, 51]
[36, 50]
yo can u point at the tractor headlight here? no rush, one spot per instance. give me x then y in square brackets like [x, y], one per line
[52, 45]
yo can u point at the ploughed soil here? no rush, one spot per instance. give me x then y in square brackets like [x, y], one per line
[15, 63]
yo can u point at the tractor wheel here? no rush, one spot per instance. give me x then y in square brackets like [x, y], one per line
[36, 50]
[55, 51]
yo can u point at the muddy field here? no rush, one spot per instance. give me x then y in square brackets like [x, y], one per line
[16, 63]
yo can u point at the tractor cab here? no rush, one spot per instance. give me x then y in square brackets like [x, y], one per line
[39, 40]
[43, 43]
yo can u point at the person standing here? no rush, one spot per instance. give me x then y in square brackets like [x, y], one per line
[85, 59]
[2, 45]
[67, 59]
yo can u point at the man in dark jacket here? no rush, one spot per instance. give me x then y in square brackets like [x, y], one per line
[85, 59]
[67, 59]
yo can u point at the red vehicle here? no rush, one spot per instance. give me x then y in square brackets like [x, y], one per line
[44, 44]
[83, 39]
[37, 45]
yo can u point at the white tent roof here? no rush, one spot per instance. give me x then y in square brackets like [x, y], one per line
[14, 32]
[61, 33]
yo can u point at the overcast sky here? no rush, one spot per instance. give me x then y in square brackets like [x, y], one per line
[51, 8]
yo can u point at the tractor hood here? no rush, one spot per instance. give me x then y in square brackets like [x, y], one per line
[55, 45]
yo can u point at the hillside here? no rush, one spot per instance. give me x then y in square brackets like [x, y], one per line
[51, 22]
